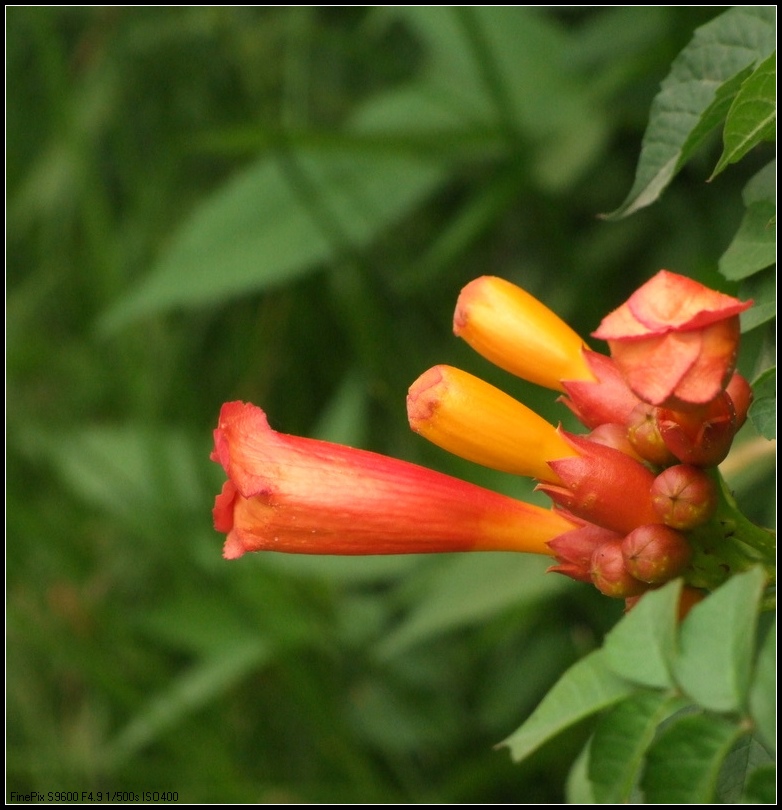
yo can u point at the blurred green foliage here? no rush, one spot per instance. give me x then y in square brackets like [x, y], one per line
[281, 205]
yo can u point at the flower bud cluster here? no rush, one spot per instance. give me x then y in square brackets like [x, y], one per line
[662, 409]
[675, 420]
[630, 498]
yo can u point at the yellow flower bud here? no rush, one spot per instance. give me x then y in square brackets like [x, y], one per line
[513, 330]
[475, 420]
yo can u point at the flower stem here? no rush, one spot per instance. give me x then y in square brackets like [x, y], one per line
[729, 543]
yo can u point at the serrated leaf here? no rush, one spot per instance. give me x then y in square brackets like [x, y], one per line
[752, 117]
[761, 786]
[641, 646]
[763, 693]
[743, 759]
[763, 411]
[754, 247]
[588, 687]
[682, 113]
[716, 644]
[620, 742]
[683, 764]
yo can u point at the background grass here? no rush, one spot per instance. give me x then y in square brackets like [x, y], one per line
[281, 205]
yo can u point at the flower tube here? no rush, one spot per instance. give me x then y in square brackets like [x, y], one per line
[292, 494]
[473, 419]
[516, 332]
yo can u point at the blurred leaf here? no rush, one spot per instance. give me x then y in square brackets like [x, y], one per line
[716, 644]
[761, 786]
[620, 742]
[274, 222]
[752, 117]
[682, 113]
[281, 218]
[344, 418]
[743, 759]
[642, 645]
[505, 67]
[189, 692]
[684, 762]
[204, 628]
[754, 246]
[589, 686]
[763, 692]
[126, 470]
[763, 411]
[579, 787]
[470, 588]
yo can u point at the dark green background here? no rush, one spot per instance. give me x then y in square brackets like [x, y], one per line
[137, 659]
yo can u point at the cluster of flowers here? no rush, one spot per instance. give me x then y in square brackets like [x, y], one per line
[662, 410]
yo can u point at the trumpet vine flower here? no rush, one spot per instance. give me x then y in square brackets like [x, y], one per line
[292, 494]
[637, 500]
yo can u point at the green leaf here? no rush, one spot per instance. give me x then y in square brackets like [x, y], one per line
[194, 688]
[761, 786]
[763, 411]
[717, 644]
[743, 759]
[620, 741]
[470, 588]
[752, 117]
[763, 693]
[682, 113]
[275, 221]
[754, 246]
[589, 686]
[578, 788]
[683, 764]
[641, 646]
[499, 65]
[762, 186]
[125, 470]
[762, 289]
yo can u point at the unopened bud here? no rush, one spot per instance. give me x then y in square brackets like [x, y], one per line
[655, 553]
[684, 496]
[613, 435]
[573, 550]
[603, 486]
[701, 436]
[644, 436]
[610, 574]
